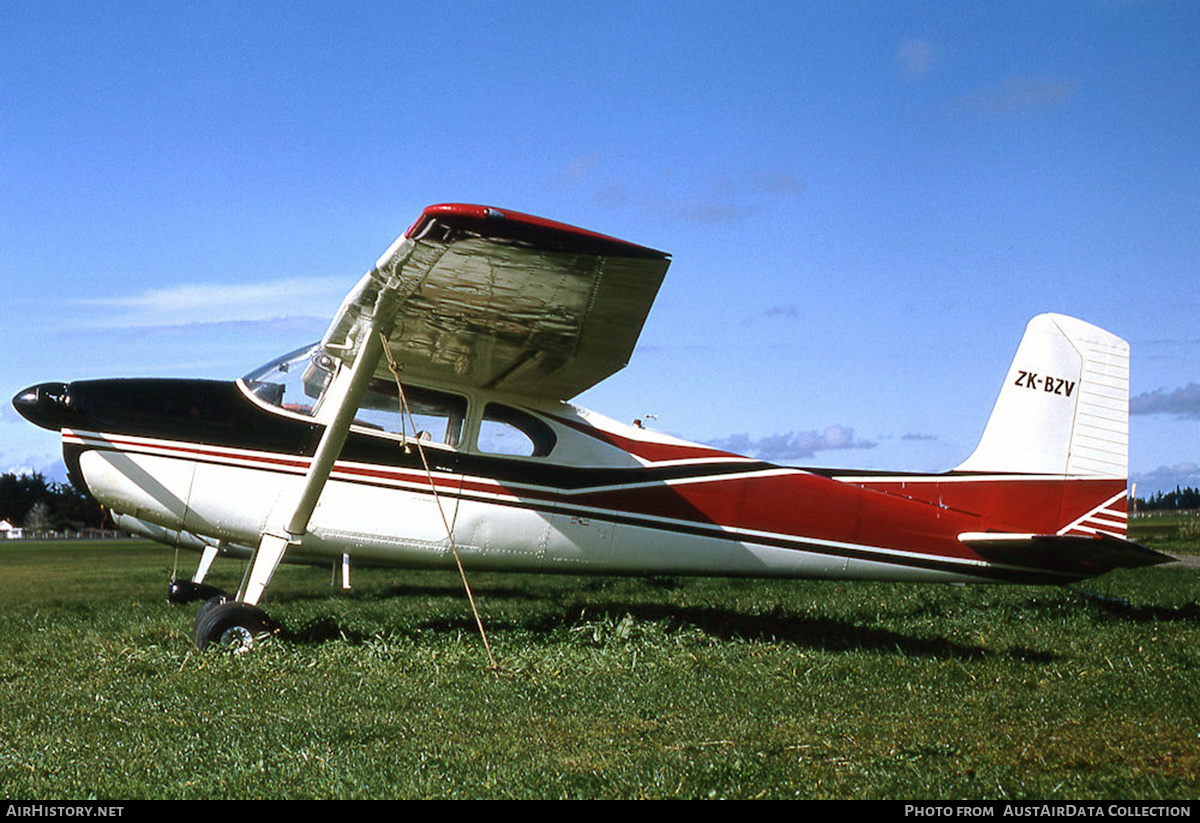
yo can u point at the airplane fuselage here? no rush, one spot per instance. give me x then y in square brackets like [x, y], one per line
[214, 459]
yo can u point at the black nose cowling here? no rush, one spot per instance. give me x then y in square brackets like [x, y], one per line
[46, 404]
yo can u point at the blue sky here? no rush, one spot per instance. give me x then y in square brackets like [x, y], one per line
[865, 202]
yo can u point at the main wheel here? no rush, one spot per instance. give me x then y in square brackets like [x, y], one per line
[201, 623]
[233, 626]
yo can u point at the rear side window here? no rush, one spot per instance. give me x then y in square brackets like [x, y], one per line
[508, 431]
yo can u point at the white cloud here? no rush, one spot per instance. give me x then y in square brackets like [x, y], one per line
[772, 312]
[1019, 95]
[792, 445]
[218, 303]
[1166, 478]
[1183, 402]
[727, 199]
[915, 57]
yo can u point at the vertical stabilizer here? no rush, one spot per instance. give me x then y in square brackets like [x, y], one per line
[1064, 407]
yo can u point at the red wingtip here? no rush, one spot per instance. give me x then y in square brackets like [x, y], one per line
[504, 224]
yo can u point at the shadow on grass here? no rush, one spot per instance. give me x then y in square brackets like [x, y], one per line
[814, 633]
[1188, 612]
[449, 590]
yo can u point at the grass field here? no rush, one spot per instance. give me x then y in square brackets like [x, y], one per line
[609, 688]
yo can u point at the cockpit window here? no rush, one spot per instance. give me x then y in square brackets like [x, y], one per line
[295, 381]
[427, 415]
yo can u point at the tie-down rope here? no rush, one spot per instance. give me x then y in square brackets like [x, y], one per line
[406, 412]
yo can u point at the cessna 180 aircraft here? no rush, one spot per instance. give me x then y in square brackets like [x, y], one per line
[431, 425]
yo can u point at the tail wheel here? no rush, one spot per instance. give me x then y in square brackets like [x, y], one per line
[232, 626]
[185, 591]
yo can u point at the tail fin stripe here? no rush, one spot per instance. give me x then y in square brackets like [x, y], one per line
[1096, 521]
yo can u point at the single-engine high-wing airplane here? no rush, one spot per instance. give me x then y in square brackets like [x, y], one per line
[432, 422]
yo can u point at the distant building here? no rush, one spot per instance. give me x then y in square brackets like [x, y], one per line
[10, 532]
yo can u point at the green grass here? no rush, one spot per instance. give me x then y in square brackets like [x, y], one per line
[1173, 533]
[611, 688]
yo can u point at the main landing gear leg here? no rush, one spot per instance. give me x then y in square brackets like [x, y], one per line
[237, 624]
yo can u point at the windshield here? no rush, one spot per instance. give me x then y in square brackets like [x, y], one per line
[295, 381]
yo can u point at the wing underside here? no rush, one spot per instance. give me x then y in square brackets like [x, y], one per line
[476, 297]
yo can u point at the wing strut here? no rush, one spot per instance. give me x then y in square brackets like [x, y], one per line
[289, 522]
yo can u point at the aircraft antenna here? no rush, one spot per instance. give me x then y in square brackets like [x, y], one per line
[405, 412]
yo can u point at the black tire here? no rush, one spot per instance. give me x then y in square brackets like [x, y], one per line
[230, 625]
[201, 617]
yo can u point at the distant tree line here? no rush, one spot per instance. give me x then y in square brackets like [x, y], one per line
[32, 502]
[1180, 499]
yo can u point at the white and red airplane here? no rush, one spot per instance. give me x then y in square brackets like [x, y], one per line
[431, 424]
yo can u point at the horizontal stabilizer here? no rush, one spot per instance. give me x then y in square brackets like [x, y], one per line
[1080, 555]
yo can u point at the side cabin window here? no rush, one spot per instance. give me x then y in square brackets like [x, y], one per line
[512, 432]
[431, 416]
[296, 381]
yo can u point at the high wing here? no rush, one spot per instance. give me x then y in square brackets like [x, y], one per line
[478, 297]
